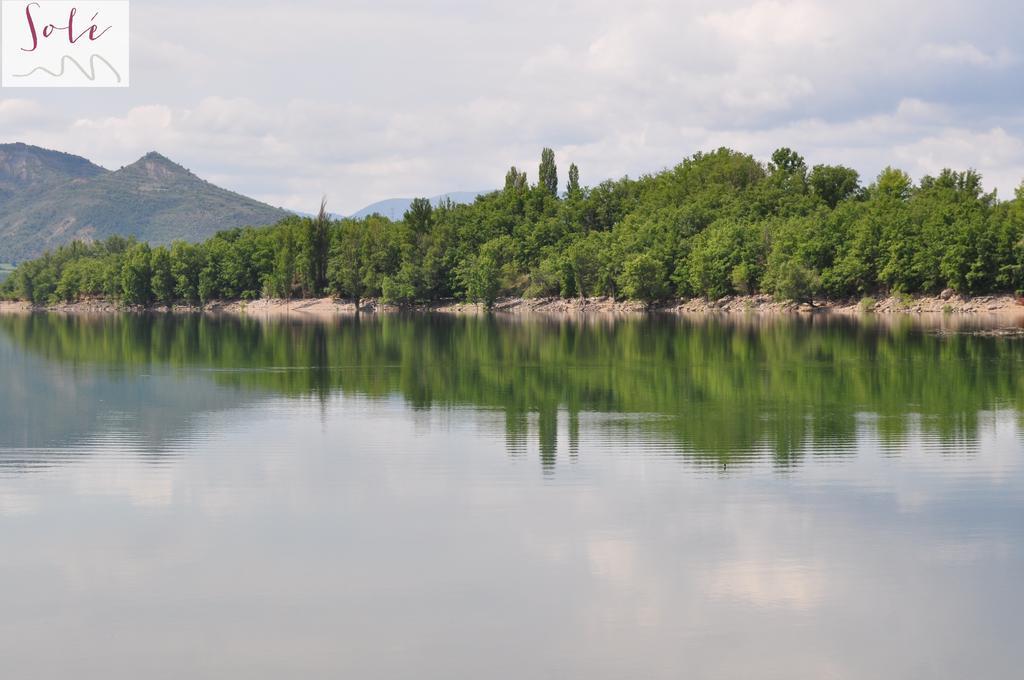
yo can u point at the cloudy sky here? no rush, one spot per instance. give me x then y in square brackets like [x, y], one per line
[369, 99]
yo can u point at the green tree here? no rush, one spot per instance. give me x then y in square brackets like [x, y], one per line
[787, 161]
[643, 278]
[726, 252]
[481, 274]
[380, 253]
[893, 183]
[586, 260]
[572, 189]
[314, 247]
[515, 181]
[280, 281]
[345, 265]
[548, 173]
[833, 183]
[419, 217]
[73, 283]
[137, 275]
[187, 261]
[404, 286]
[162, 281]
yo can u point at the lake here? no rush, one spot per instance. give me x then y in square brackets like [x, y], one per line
[510, 498]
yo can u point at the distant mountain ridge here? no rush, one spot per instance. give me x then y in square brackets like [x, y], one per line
[394, 208]
[48, 198]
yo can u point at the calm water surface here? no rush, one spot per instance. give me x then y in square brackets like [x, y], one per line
[439, 497]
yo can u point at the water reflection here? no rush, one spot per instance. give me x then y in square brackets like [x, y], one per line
[718, 392]
[439, 497]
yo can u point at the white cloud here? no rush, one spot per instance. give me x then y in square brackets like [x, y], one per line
[771, 25]
[18, 112]
[964, 53]
[362, 102]
[996, 153]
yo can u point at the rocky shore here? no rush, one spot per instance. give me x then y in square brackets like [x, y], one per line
[945, 304]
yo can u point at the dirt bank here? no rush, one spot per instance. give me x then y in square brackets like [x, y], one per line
[733, 304]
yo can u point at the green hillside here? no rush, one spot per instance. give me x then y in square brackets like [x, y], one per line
[48, 198]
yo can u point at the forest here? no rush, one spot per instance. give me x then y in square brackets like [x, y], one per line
[718, 223]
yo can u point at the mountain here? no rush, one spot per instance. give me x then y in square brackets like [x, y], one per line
[48, 198]
[26, 168]
[394, 208]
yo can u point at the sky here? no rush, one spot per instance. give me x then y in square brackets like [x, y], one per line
[366, 100]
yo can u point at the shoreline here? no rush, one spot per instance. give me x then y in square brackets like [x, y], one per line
[921, 305]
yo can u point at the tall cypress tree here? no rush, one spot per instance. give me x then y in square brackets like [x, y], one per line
[548, 177]
[573, 188]
[316, 247]
[515, 181]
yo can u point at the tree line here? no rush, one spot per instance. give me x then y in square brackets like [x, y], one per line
[718, 223]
